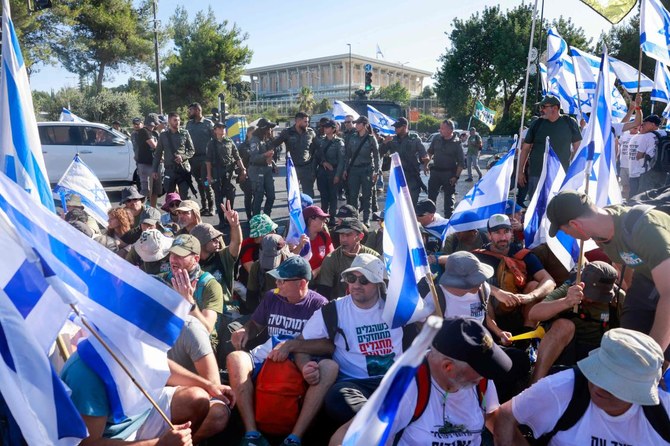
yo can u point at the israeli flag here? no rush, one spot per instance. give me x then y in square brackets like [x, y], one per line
[31, 315]
[655, 30]
[79, 179]
[404, 253]
[20, 148]
[341, 110]
[67, 116]
[296, 222]
[594, 162]
[140, 316]
[628, 75]
[380, 122]
[536, 225]
[561, 73]
[543, 78]
[487, 197]
[661, 91]
[373, 423]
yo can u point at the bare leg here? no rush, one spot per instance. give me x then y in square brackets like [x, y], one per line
[215, 422]
[338, 436]
[239, 371]
[315, 396]
[557, 338]
[189, 404]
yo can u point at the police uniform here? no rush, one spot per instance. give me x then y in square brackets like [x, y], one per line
[260, 174]
[301, 146]
[201, 134]
[330, 151]
[360, 170]
[411, 151]
[447, 164]
[170, 144]
[223, 157]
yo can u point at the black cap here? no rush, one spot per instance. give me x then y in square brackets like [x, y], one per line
[400, 122]
[424, 207]
[329, 123]
[466, 339]
[350, 224]
[566, 206]
[137, 120]
[116, 123]
[151, 119]
[195, 105]
[599, 278]
[550, 100]
[347, 211]
[265, 124]
[220, 125]
[361, 120]
[654, 119]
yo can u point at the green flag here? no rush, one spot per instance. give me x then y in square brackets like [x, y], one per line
[485, 115]
[612, 10]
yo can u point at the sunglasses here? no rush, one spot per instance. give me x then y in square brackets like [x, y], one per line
[175, 204]
[280, 281]
[351, 278]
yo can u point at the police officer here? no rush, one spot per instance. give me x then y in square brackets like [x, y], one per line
[245, 182]
[361, 165]
[413, 156]
[261, 152]
[222, 158]
[200, 129]
[448, 162]
[301, 143]
[330, 166]
[174, 148]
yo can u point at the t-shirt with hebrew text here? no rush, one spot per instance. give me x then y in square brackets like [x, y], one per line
[283, 318]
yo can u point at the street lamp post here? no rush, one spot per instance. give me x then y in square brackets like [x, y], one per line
[158, 72]
[349, 45]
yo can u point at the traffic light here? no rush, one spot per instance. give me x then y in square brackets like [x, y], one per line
[39, 5]
[368, 81]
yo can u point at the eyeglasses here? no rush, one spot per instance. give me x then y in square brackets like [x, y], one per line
[133, 199]
[348, 122]
[281, 281]
[352, 278]
[175, 204]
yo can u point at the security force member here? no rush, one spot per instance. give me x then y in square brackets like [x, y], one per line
[300, 142]
[174, 148]
[448, 162]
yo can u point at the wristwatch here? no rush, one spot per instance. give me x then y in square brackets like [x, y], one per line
[193, 307]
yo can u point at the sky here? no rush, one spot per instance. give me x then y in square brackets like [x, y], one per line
[408, 33]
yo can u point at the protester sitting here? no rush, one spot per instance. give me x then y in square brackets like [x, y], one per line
[188, 214]
[345, 211]
[612, 398]
[260, 225]
[461, 396]
[284, 312]
[330, 282]
[573, 334]
[152, 252]
[133, 201]
[318, 236]
[516, 215]
[172, 202]
[119, 223]
[149, 219]
[273, 252]
[375, 238]
[73, 202]
[433, 225]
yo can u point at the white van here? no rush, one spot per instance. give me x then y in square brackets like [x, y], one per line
[108, 153]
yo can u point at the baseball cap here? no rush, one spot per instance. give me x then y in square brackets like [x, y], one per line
[150, 216]
[369, 265]
[400, 122]
[350, 224]
[205, 233]
[295, 267]
[464, 271]
[347, 211]
[627, 365]
[260, 225]
[498, 221]
[466, 339]
[361, 120]
[424, 207]
[329, 123]
[654, 119]
[313, 211]
[184, 245]
[272, 247]
[151, 119]
[152, 245]
[599, 278]
[566, 206]
[305, 200]
[137, 120]
[189, 205]
[550, 100]
[264, 124]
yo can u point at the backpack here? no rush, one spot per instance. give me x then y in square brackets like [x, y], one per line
[423, 386]
[661, 159]
[280, 391]
[579, 402]
[511, 271]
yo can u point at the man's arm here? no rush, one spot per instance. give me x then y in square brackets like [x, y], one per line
[316, 347]
[660, 330]
[543, 311]
[506, 431]
[96, 427]
[158, 155]
[545, 286]
[523, 159]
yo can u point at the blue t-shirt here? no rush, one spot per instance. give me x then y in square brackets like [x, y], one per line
[90, 398]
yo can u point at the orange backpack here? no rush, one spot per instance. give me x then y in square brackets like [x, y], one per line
[511, 271]
[280, 391]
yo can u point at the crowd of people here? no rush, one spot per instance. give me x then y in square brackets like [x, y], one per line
[264, 308]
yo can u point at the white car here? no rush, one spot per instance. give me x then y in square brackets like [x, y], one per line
[108, 153]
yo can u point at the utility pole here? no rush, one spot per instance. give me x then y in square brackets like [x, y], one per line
[348, 44]
[158, 68]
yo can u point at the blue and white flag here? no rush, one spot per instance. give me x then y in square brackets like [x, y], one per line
[561, 73]
[661, 91]
[404, 254]
[80, 180]
[655, 30]
[596, 159]
[140, 316]
[543, 78]
[380, 122]
[20, 148]
[341, 110]
[372, 424]
[296, 222]
[487, 197]
[535, 224]
[439, 227]
[628, 75]
[67, 116]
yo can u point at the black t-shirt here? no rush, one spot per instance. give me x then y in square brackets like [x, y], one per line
[145, 154]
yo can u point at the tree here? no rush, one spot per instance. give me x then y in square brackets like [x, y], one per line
[107, 106]
[103, 36]
[145, 91]
[427, 92]
[207, 55]
[306, 100]
[428, 124]
[323, 106]
[394, 92]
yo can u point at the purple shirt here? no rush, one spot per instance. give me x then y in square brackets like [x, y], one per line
[284, 318]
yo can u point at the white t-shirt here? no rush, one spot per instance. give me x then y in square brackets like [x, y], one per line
[468, 305]
[624, 156]
[459, 416]
[541, 406]
[373, 346]
[642, 143]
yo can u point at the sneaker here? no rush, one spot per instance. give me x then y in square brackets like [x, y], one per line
[254, 441]
[292, 440]
[468, 180]
[207, 213]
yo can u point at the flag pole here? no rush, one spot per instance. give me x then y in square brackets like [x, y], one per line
[525, 97]
[97, 336]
